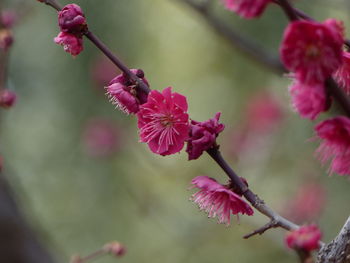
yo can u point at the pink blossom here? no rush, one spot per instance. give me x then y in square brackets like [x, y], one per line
[121, 96]
[335, 144]
[218, 200]
[203, 136]
[122, 92]
[7, 98]
[264, 112]
[6, 39]
[247, 8]
[70, 43]
[101, 138]
[163, 122]
[312, 50]
[306, 238]
[309, 100]
[71, 19]
[342, 75]
[8, 18]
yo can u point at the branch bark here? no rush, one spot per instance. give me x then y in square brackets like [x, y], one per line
[337, 251]
[18, 242]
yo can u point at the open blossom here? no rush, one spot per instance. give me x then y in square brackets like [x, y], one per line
[70, 43]
[122, 92]
[163, 122]
[306, 238]
[71, 19]
[308, 100]
[312, 50]
[342, 75]
[218, 200]
[7, 98]
[335, 144]
[202, 136]
[247, 8]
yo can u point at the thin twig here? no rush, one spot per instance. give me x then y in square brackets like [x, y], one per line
[105, 50]
[253, 199]
[248, 47]
[263, 229]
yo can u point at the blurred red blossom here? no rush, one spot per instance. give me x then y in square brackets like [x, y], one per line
[7, 98]
[306, 238]
[101, 138]
[335, 144]
[8, 18]
[247, 8]
[307, 204]
[102, 71]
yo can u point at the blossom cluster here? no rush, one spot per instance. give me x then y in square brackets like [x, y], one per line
[72, 23]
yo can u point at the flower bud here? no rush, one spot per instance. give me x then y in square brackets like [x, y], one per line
[115, 248]
[71, 19]
[6, 39]
[7, 98]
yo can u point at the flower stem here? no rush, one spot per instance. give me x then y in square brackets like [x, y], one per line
[253, 199]
[105, 50]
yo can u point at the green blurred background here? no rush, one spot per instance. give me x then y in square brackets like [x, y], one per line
[77, 201]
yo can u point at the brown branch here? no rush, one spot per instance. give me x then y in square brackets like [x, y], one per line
[18, 242]
[249, 48]
[106, 51]
[253, 199]
[338, 250]
[263, 229]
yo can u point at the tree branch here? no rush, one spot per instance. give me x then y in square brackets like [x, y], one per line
[249, 48]
[106, 51]
[253, 199]
[337, 251]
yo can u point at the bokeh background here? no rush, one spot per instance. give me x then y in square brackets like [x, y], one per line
[81, 177]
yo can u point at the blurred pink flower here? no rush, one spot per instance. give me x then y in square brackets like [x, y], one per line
[70, 43]
[312, 50]
[71, 19]
[6, 39]
[306, 238]
[103, 70]
[8, 18]
[307, 204]
[101, 138]
[335, 144]
[7, 98]
[342, 75]
[247, 8]
[218, 200]
[203, 136]
[309, 100]
[163, 122]
[115, 248]
[263, 112]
